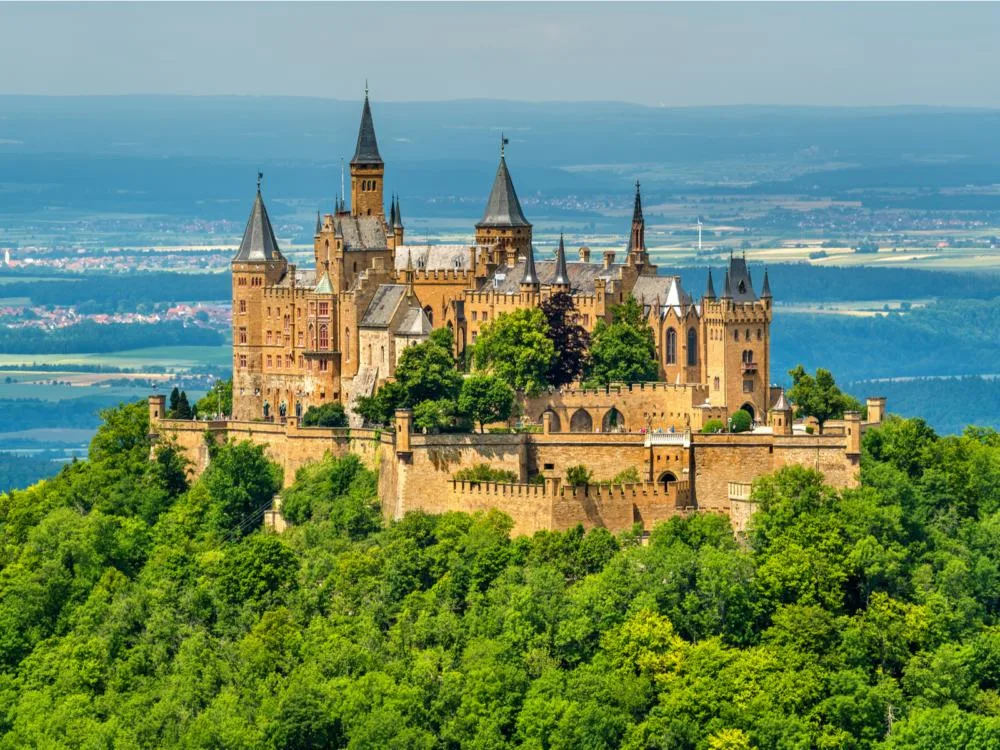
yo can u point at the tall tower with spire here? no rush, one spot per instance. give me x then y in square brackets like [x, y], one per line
[367, 169]
[503, 228]
[636, 254]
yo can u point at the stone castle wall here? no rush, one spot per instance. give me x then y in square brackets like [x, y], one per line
[678, 472]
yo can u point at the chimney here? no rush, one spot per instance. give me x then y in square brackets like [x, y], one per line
[609, 259]
[585, 254]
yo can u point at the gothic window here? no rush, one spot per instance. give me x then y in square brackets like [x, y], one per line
[243, 305]
[243, 360]
[324, 337]
[716, 382]
[692, 347]
[269, 360]
[267, 337]
[429, 312]
[671, 348]
[747, 334]
[324, 309]
[243, 335]
[300, 338]
[287, 320]
[748, 386]
[736, 335]
[323, 365]
[475, 315]
[760, 334]
[347, 344]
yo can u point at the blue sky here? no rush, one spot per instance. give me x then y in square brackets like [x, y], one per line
[650, 53]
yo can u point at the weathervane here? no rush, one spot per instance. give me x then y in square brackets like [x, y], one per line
[260, 176]
[503, 142]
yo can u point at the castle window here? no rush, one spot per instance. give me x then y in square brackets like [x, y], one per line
[716, 383]
[268, 337]
[692, 354]
[671, 346]
[288, 321]
[736, 335]
[748, 386]
[347, 344]
[324, 337]
[269, 360]
[747, 334]
[300, 338]
[474, 314]
[243, 305]
[243, 360]
[302, 362]
[243, 335]
[323, 365]
[760, 334]
[324, 309]
[269, 312]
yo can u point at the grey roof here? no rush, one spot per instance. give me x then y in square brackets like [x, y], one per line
[529, 275]
[766, 291]
[366, 152]
[392, 211]
[414, 323]
[503, 209]
[383, 305]
[666, 289]
[710, 291]
[433, 257]
[507, 279]
[319, 224]
[397, 216]
[562, 275]
[781, 404]
[324, 286]
[360, 232]
[740, 284]
[637, 220]
[258, 242]
[727, 291]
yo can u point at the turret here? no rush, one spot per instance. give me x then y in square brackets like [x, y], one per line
[780, 416]
[367, 169]
[529, 279]
[397, 222]
[710, 289]
[561, 281]
[503, 227]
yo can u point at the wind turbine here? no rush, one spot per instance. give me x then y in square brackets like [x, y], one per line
[699, 234]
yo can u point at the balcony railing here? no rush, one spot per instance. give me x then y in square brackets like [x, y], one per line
[749, 368]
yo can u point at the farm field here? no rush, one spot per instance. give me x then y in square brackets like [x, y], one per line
[176, 358]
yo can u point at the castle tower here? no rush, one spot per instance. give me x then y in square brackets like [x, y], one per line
[736, 331]
[529, 279]
[367, 169]
[779, 418]
[560, 283]
[258, 264]
[636, 254]
[503, 227]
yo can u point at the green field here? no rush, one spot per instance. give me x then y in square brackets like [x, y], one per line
[180, 358]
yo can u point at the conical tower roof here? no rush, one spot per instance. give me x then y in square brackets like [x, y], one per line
[366, 152]
[397, 221]
[766, 290]
[319, 224]
[562, 275]
[259, 243]
[530, 274]
[710, 291]
[782, 403]
[392, 211]
[503, 208]
[726, 288]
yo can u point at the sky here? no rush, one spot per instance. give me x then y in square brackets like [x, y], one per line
[659, 54]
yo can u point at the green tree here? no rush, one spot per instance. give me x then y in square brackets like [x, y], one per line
[484, 473]
[183, 410]
[486, 398]
[818, 396]
[624, 350]
[740, 421]
[219, 400]
[330, 414]
[713, 425]
[516, 348]
[570, 340]
[579, 475]
[241, 483]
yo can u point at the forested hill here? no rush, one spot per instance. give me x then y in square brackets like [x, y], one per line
[138, 611]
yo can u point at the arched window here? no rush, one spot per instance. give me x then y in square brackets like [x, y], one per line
[748, 334]
[429, 312]
[692, 347]
[347, 344]
[324, 337]
[671, 346]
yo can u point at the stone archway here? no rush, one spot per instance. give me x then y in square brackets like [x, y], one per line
[666, 479]
[556, 425]
[613, 421]
[748, 408]
[581, 421]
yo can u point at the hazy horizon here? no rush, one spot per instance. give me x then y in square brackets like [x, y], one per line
[653, 54]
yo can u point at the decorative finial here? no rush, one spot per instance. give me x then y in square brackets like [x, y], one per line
[637, 186]
[260, 176]
[366, 88]
[503, 142]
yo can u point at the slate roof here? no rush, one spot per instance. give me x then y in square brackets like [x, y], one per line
[415, 323]
[782, 403]
[259, 243]
[710, 290]
[561, 274]
[366, 151]
[740, 284]
[324, 286]
[507, 279]
[383, 305]
[667, 289]
[397, 216]
[503, 208]
[433, 257]
[766, 291]
[304, 278]
[360, 232]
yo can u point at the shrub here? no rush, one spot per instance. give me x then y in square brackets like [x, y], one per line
[484, 473]
[740, 421]
[577, 475]
[712, 426]
[627, 476]
[328, 415]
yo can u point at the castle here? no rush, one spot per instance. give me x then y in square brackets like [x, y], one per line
[334, 332]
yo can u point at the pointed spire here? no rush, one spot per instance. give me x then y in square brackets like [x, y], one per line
[503, 208]
[766, 291]
[319, 223]
[397, 223]
[710, 291]
[637, 208]
[530, 275]
[259, 243]
[562, 275]
[637, 234]
[392, 211]
[782, 403]
[366, 151]
[727, 291]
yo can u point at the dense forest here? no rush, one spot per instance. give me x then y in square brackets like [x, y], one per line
[947, 404]
[88, 336]
[109, 293]
[139, 611]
